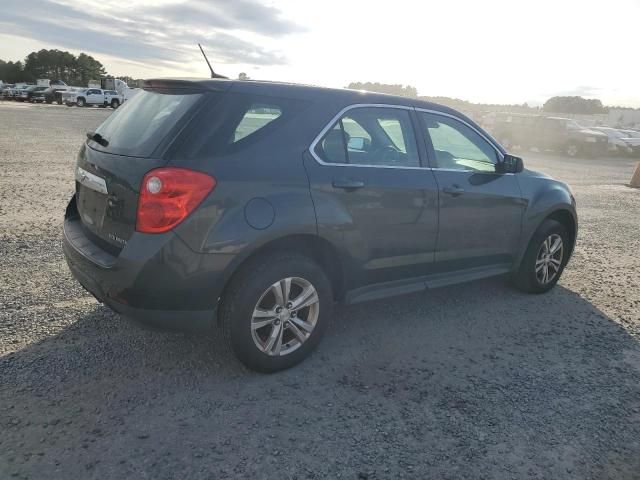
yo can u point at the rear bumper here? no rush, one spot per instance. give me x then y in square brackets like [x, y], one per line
[155, 279]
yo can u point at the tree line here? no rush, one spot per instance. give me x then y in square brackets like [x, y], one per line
[558, 104]
[54, 65]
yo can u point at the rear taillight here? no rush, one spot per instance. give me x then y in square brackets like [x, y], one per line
[168, 196]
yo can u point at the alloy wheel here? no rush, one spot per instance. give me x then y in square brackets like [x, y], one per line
[285, 316]
[549, 259]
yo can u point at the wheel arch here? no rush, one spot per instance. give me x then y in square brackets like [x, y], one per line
[567, 219]
[313, 246]
[561, 214]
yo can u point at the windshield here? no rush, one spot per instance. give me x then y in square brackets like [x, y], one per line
[573, 125]
[631, 134]
[138, 127]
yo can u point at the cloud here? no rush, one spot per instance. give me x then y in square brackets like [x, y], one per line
[153, 34]
[582, 91]
[237, 14]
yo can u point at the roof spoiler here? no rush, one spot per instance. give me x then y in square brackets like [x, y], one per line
[192, 84]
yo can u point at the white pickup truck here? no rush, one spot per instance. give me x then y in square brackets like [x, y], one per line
[93, 96]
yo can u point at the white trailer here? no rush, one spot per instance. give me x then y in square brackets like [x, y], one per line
[120, 86]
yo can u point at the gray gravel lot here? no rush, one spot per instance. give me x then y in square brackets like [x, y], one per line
[472, 381]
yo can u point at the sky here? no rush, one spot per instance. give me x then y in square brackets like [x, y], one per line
[489, 51]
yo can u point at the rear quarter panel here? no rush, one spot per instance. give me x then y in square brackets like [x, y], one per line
[262, 191]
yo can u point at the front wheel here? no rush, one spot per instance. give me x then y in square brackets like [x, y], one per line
[275, 311]
[115, 103]
[81, 102]
[572, 150]
[545, 258]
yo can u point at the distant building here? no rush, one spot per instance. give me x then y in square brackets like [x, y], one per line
[623, 117]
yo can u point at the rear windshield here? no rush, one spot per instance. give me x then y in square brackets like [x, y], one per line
[137, 128]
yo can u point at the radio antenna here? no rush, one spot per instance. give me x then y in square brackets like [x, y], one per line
[213, 74]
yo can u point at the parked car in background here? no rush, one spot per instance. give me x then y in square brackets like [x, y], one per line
[11, 92]
[93, 96]
[75, 96]
[632, 133]
[633, 140]
[549, 133]
[6, 90]
[55, 91]
[112, 99]
[255, 206]
[621, 142]
[21, 93]
[27, 95]
[38, 95]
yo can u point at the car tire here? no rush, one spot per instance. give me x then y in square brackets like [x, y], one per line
[81, 102]
[254, 297]
[544, 254]
[115, 103]
[572, 150]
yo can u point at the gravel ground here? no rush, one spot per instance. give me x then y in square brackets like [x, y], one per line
[473, 381]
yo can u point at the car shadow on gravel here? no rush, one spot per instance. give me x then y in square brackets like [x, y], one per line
[476, 380]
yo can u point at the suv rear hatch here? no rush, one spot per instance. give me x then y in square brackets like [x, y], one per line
[114, 160]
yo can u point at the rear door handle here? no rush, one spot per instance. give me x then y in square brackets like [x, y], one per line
[348, 184]
[453, 190]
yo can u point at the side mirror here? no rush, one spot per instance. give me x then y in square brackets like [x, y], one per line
[511, 164]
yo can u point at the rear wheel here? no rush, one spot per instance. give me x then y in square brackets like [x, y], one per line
[545, 258]
[275, 311]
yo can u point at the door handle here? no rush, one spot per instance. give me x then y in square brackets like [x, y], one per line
[347, 184]
[453, 190]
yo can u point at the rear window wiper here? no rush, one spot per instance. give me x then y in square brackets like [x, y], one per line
[96, 137]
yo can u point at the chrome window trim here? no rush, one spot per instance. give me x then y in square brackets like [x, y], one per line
[479, 172]
[337, 117]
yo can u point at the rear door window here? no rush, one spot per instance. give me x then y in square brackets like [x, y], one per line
[371, 136]
[137, 128]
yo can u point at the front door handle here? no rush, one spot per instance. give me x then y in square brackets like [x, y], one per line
[453, 190]
[348, 184]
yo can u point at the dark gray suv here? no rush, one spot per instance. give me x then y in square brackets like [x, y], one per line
[258, 205]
